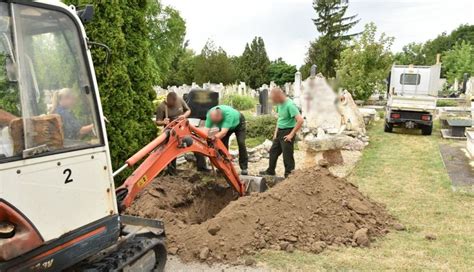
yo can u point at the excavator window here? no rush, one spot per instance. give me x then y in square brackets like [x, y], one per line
[45, 84]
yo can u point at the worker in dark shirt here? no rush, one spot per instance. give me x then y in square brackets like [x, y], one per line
[229, 121]
[169, 110]
[289, 123]
[63, 101]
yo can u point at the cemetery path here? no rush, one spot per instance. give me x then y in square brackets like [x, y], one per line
[407, 174]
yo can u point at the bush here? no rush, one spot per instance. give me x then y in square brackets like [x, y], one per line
[239, 102]
[446, 103]
[261, 126]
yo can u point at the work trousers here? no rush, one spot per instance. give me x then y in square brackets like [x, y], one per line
[280, 146]
[240, 133]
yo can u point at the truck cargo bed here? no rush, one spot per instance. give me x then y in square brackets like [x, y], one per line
[412, 103]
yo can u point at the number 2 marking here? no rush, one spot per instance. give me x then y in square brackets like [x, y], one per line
[68, 178]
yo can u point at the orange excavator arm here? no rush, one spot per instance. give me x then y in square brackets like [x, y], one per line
[179, 137]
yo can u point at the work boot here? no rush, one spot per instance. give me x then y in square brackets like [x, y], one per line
[244, 172]
[267, 173]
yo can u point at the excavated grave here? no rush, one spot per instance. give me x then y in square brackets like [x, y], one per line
[312, 209]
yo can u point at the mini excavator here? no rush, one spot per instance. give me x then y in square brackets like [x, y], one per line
[178, 138]
[59, 209]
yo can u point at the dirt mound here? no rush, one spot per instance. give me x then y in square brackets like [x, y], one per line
[309, 211]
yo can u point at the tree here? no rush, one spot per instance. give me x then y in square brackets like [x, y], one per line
[366, 63]
[413, 53]
[458, 61]
[182, 68]
[213, 65]
[425, 54]
[254, 64]
[9, 97]
[167, 32]
[126, 81]
[281, 72]
[333, 26]
[445, 42]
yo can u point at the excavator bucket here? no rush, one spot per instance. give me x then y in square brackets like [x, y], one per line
[254, 184]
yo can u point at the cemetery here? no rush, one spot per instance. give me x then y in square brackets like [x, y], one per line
[134, 136]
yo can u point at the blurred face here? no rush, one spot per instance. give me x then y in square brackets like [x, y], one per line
[171, 101]
[277, 97]
[216, 116]
[67, 101]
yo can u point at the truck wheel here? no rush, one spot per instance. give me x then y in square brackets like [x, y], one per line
[388, 127]
[427, 129]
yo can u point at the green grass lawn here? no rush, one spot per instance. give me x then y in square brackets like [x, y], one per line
[406, 173]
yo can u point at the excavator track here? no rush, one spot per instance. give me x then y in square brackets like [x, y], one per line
[137, 254]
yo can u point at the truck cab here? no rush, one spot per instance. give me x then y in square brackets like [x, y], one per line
[412, 97]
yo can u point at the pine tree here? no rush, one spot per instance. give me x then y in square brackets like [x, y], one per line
[333, 26]
[254, 64]
[126, 81]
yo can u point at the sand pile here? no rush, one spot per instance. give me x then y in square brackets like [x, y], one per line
[309, 211]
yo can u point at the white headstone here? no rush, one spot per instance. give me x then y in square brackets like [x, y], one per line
[242, 88]
[318, 104]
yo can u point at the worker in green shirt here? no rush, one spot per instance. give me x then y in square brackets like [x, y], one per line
[229, 121]
[289, 123]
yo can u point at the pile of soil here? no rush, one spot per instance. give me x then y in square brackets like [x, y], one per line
[309, 211]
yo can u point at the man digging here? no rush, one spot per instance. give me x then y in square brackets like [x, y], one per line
[229, 121]
[169, 110]
[288, 124]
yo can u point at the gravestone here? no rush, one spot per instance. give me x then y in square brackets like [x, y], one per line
[200, 101]
[263, 101]
[242, 88]
[318, 105]
[352, 117]
[297, 89]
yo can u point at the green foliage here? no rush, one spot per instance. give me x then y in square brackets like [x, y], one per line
[182, 68]
[446, 103]
[50, 51]
[458, 61]
[262, 126]
[167, 31]
[9, 98]
[281, 72]
[412, 53]
[253, 65]
[239, 102]
[445, 42]
[333, 25]
[425, 53]
[126, 82]
[213, 65]
[363, 67]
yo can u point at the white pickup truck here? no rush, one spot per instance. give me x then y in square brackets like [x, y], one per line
[412, 97]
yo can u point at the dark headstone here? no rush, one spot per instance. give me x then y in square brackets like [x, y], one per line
[200, 101]
[263, 100]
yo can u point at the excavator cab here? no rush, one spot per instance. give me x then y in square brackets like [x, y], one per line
[58, 207]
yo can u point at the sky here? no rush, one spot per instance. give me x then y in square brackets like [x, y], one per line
[287, 28]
